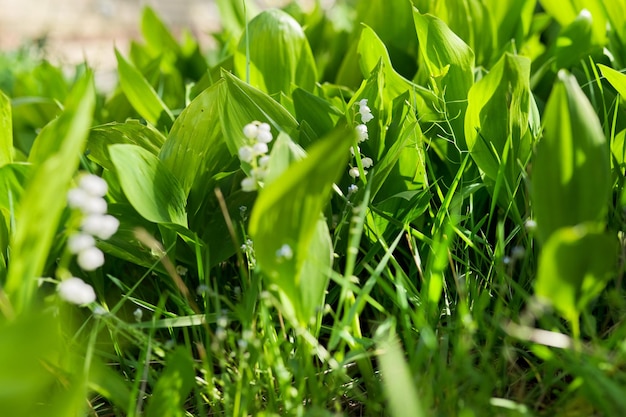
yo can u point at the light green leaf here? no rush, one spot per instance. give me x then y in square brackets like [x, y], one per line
[173, 386]
[274, 54]
[141, 94]
[149, 186]
[130, 132]
[158, 37]
[616, 78]
[317, 112]
[6, 130]
[575, 265]
[37, 219]
[571, 174]
[398, 382]
[448, 66]
[195, 146]
[287, 212]
[372, 55]
[498, 113]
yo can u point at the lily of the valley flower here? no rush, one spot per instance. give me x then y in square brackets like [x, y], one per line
[76, 291]
[88, 198]
[254, 152]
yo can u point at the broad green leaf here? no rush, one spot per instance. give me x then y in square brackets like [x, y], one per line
[173, 386]
[448, 66]
[318, 113]
[372, 53]
[574, 43]
[141, 94]
[195, 146]
[130, 132]
[400, 392]
[6, 130]
[498, 113]
[274, 54]
[34, 362]
[287, 212]
[571, 173]
[158, 37]
[149, 186]
[575, 265]
[403, 164]
[42, 203]
[511, 21]
[471, 21]
[566, 11]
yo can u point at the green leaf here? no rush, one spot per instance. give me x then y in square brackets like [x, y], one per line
[498, 116]
[149, 186]
[571, 174]
[37, 219]
[6, 130]
[317, 112]
[566, 11]
[158, 37]
[141, 94]
[372, 54]
[448, 66]
[616, 78]
[400, 392]
[173, 386]
[130, 132]
[195, 146]
[287, 212]
[274, 54]
[575, 265]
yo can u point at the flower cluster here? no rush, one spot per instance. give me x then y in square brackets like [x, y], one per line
[362, 135]
[254, 152]
[88, 199]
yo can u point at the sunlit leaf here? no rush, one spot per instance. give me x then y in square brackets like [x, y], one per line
[6, 130]
[149, 186]
[571, 178]
[274, 54]
[141, 94]
[55, 162]
[287, 212]
[174, 385]
[575, 265]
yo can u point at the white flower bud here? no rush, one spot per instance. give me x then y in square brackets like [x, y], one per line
[367, 162]
[76, 198]
[264, 136]
[361, 131]
[79, 242]
[93, 185]
[90, 259]
[246, 154]
[138, 313]
[260, 148]
[101, 226]
[248, 184]
[264, 161]
[94, 205]
[76, 291]
[284, 252]
[354, 172]
[250, 130]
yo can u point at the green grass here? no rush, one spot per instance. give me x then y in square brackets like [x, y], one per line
[461, 254]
